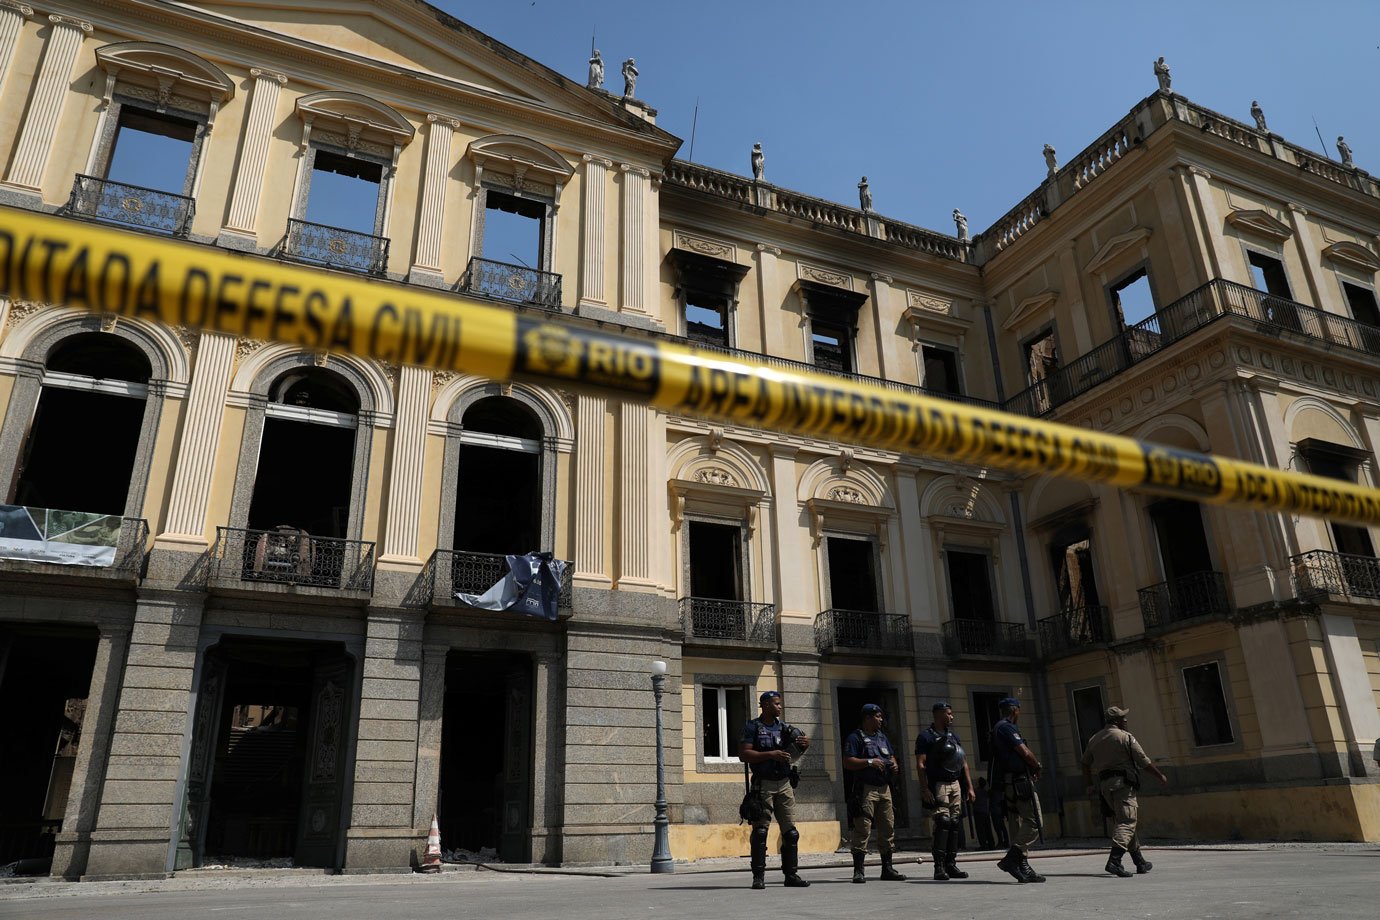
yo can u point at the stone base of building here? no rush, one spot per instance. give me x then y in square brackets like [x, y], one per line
[706, 841]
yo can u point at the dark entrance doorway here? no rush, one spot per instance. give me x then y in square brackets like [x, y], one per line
[850, 704]
[45, 676]
[267, 767]
[486, 755]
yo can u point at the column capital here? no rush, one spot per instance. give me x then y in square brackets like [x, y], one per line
[260, 73]
[884, 278]
[601, 161]
[1199, 171]
[23, 9]
[433, 118]
[635, 170]
[1298, 209]
[765, 247]
[71, 21]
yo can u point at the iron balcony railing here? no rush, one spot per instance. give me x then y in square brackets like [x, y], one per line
[335, 247]
[514, 283]
[858, 630]
[458, 571]
[131, 205]
[288, 556]
[1074, 628]
[1212, 301]
[740, 621]
[90, 543]
[985, 637]
[1203, 594]
[1323, 572]
[788, 363]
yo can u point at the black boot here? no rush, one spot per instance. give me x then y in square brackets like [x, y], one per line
[1011, 864]
[889, 874]
[758, 840]
[1143, 865]
[951, 856]
[790, 859]
[1029, 874]
[1114, 865]
[858, 877]
[939, 850]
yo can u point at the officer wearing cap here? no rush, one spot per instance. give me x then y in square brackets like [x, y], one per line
[766, 747]
[1015, 771]
[1115, 758]
[869, 753]
[944, 784]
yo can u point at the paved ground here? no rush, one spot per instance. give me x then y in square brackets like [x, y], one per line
[1282, 880]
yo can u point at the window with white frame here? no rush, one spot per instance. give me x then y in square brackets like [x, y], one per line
[723, 713]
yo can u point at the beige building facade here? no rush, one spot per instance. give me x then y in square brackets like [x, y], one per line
[235, 633]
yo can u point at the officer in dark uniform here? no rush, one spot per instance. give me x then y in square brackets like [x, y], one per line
[1015, 773]
[766, 746]
[869, 753]
[944, 785]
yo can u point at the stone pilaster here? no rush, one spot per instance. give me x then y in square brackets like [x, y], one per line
[792, 592]
[548, 717]
[636, 541]
[12, 16]
[1308, 248]
[592, 281]
[258, 131]
[636, 266]
[74, 843]
[193, 471]
[1351, 687]
[773, 323]
[403, 525]
[590, 554]
[426, 266]
[45, 105]
[431, 711]
[1200, 181]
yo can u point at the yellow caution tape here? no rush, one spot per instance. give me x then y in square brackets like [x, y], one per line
[65, 261]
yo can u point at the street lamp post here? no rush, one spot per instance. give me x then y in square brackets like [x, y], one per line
[661, 850]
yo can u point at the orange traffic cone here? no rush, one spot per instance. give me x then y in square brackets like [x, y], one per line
[431, 859]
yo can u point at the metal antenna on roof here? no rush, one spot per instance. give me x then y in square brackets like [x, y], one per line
[694, 124]
[1320, 139]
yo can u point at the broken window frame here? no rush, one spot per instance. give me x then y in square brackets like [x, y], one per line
[879, 581]
[1338, 461]
[742, 575]
[703, 279]
[302, 200]
[1225, 719]
[546, 226]
[1082, 733]
[1124, 282]
[985, 553]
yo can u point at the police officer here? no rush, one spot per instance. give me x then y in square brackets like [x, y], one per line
[766, 746]
[868, 752]
[944, 784]
[1015, 771]
[1115, 758]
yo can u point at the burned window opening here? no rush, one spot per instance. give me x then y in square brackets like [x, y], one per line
[1087, 714]
[152, 150]
[852, 574]
[970, 586]
[941, 370]
[716, 561]
[1207, 705]
[498, 496]
[1133, 299]
[707, 288]
[1070, 553]
[514, 230]
[345, 192]
[1336, 461]
[1181, 537]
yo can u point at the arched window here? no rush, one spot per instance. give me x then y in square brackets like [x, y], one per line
[305, 472]
[84, 437]
[498, 499]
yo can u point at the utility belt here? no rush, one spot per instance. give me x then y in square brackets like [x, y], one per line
[1021, 785]
[1132, 777]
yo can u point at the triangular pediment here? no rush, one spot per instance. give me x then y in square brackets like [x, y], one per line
[1352, 255]
[1261, 223]
[1035, 306]
[414, 37]
[1115, 246]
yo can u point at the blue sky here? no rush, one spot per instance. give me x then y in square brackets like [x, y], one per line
[946, 105]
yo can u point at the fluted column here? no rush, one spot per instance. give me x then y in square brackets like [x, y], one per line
[636, 188]
[431, 223]
[12, 16]
[405, 482]
[592, 239]
[196, 450]
[258, 130]
[591, 412]
[636, 542]
[45, 105]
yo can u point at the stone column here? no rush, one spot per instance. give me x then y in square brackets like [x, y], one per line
[1350, 680]
[636, 266]
[430, 715]
[12, 16]
[590, 552]
[258, 131]
[792, 591]
[74, 842]
[426, 266]
[401, 531]
[773, 335]
[381, 831]
[45, 105]
[1200, 250]
[636, 539]
[196, 451]
[1210, 219]
[548, 756]
[592, 238]
[1308, 249]
[141, 796]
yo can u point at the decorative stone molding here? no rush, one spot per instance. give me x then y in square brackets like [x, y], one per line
[1115, 246]
[167, 70]
[1261, 223]
[192, 473]
[403, 526]
[716, 476]
[12, 16]
[806, 271]
[1352, 255]
[19, 310]
[431, 220]
[705, 246]
[248, 184]
[847, 494]
[768, 249]
[1033, 307]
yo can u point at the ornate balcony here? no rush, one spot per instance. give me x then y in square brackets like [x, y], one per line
[844, 631]
[514, 283]
[335, 247]
[1209, 303]
[450, 572]
[285, 559]
[71, 544]
[131, 206]
[728, 622]
[1073, 630]
[1322, 573]
[1203, 594]
[986, 639]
